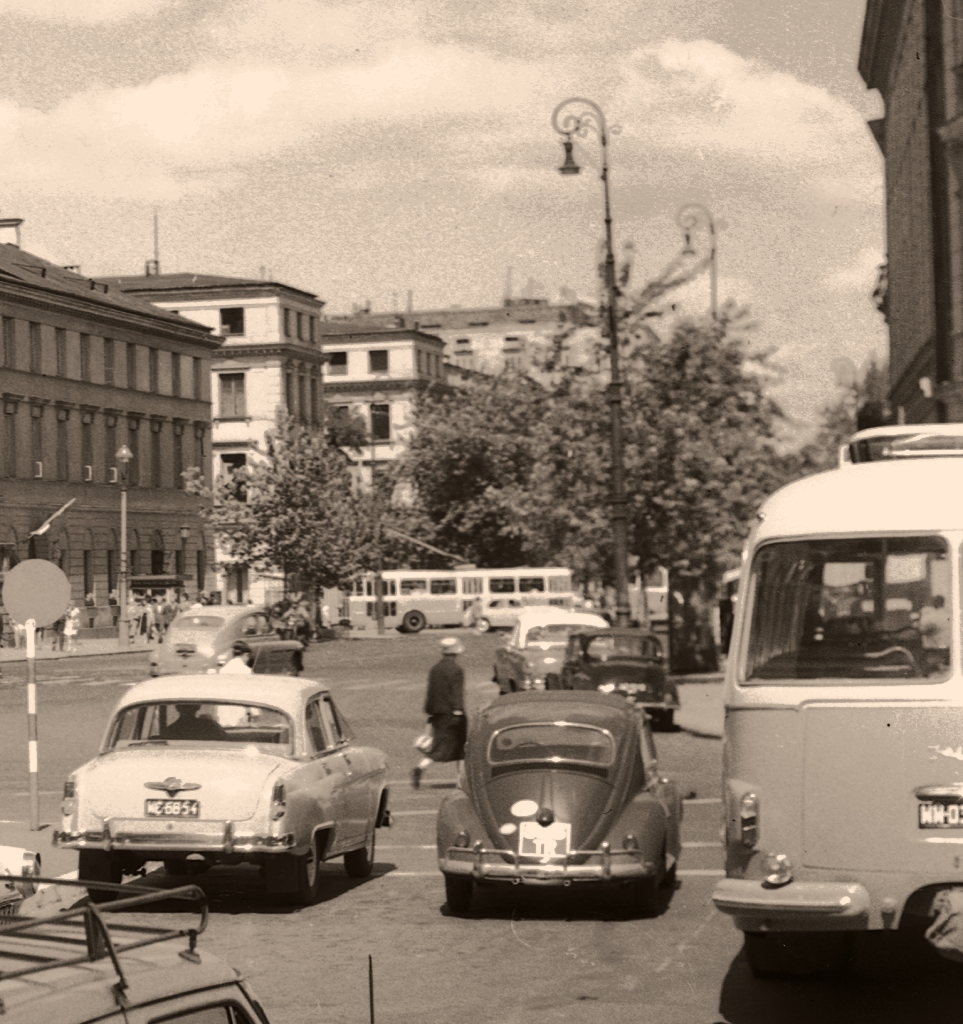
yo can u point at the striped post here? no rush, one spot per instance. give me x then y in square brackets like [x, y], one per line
[30, 626]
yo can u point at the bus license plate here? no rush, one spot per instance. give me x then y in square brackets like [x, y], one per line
[940, 815]
[172, 808]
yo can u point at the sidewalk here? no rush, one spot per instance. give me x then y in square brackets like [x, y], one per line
[85, 648]
[701, 712]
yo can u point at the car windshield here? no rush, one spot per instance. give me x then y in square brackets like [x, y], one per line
[609, 648]
[552, 634]
[856, 608]
[551, 741]
[201, 724]
[913, 444]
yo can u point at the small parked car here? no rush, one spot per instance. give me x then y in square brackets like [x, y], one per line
[536, 645]
[18, 867]
[201, 639]
[496, 613]
[560, 788]
[628, 662]
[225, 769]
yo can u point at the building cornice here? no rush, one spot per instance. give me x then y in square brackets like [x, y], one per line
[367, 387]
[379, 336]
[216, 292]
[276, 349]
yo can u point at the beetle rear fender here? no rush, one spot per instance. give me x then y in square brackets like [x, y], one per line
[456, 814]
[646, 819]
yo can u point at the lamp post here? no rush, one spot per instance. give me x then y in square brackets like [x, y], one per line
[123, 456]
[688, 218]
[582, 116]
[185, 532]
[379, 601]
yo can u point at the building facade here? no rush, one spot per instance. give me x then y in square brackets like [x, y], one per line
[270, 364]
[85, 369]
[912, 52]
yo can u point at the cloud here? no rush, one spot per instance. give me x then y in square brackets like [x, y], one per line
[85, 11]
[859, 276]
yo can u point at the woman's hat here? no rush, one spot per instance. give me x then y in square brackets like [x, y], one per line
[452, 645]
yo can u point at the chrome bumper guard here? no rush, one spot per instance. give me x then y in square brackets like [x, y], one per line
[145, 834]
[750, 899]
[601, 865]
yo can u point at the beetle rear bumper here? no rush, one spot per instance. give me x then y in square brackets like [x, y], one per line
[602, 865]
[144, 835]
[797, 905]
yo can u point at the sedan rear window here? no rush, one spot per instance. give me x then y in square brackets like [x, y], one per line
[551, 741]
[201, 724]
[550, 635]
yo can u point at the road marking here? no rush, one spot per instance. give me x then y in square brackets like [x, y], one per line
[703, 800]
[702, 846]
[392, 846]
[701, 873]
[400, 814]
[683, 946]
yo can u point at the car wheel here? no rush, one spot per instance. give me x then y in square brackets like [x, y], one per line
[482, 625]
[414, 622]
[309, 876]
[795, 954]
[663, 719]
[98, 866]
[458, 893]
[359, 863]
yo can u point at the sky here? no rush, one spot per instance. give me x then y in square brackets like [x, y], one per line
[362, 150]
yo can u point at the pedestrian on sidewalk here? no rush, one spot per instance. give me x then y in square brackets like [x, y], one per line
[58, 633]
[445, 708]
[72, 627]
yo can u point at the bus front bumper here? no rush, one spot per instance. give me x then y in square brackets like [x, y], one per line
[796, 906]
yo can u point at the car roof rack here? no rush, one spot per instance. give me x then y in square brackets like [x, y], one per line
[84, 928]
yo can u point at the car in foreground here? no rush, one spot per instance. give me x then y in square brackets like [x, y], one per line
[74, 968]
[18, 868]
[203, 770]
[201, 640]
[558, 789]
[535, 647]
[627, 662]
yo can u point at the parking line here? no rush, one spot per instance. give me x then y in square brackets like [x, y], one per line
[702, 846]
[701, 873]
[703, 800]
[403, 814]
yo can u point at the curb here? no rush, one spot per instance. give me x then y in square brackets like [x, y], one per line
[703, 732]
[75, 654]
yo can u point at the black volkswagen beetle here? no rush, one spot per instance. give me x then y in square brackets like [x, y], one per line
[628, 662]
[560, 789]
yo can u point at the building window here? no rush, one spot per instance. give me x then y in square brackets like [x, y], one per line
[153, 370]
[62, 453]
[10, 439]
[87, 446]
[131, 366]
[60, 336]
[232, 320]
[230, 464]
[178, 455]
[85, 357]
[36, 438]
[110, 447]
[36, 349]
[312, 329]
[201, 570]
[289, 393]
[287, 323]
[337, 363]
[314, 399]
[198, 383]
[418, 353]
[133, 562]
[88, 573]
[133, 467]
[300, 326]
[232, 396]
[109, 361]
[302, 404]
[199, 448]
[9, 353]
[381, 422]
[155, 453]
[378, 361]
[175, 374]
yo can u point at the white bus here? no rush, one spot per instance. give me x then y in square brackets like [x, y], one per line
[415, 598]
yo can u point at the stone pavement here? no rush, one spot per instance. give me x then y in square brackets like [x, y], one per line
[701, 712]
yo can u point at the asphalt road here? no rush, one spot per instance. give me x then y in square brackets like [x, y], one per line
[550, 955]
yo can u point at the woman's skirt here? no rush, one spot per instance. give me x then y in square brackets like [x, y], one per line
[448, 737]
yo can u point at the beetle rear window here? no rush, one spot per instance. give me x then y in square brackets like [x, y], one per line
[201, 724]
[858, 608]
[551, 741]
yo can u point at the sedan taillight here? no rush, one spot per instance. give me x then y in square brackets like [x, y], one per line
[278, 802]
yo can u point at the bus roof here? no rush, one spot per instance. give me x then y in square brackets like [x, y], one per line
[915, 496]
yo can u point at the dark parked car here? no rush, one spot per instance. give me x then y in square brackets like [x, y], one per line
[201, 640]
[628, 662]
[560, 789]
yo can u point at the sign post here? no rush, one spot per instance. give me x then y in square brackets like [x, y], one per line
[35, 593]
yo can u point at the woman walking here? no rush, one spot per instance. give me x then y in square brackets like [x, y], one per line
[445, 708]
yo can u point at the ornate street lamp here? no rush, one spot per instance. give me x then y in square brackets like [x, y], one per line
[689, 217]
[582, 116]
[123, 456]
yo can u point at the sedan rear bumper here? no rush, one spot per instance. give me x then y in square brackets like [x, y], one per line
[797, 905]
[601, 865]
[149, 835]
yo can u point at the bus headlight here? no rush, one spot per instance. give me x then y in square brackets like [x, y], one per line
[777, 868]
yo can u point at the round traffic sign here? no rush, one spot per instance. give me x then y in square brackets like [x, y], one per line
[38, 590]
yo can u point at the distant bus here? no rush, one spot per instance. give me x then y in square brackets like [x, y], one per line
[415, 598]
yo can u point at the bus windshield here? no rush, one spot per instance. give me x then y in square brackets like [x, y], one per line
[858, 608]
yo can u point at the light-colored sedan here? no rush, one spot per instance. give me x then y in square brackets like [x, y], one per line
[15, 860]
[201, 770]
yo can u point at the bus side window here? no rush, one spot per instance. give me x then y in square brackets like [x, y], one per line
[501, 585]
[531, 585]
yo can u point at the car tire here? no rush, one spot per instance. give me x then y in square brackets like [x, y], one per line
[798, 954]
[99, 866]
[359, 863]
[414, 622]
[308, 873]
[458, 893]
[644, 897]
[483, 625]
[664, 720]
